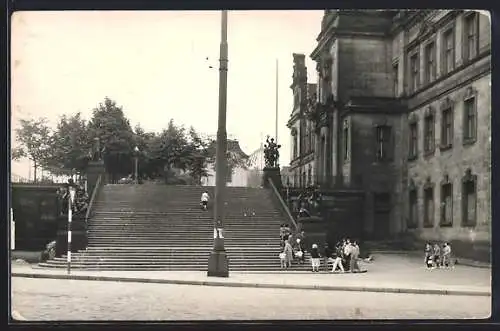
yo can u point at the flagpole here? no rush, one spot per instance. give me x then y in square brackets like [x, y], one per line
[276, 120]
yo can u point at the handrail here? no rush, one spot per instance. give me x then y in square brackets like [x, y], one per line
[283, 204]
[92, 198]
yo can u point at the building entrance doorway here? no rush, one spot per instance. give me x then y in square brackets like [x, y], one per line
[382, 216]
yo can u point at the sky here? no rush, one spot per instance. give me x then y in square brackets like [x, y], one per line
[153, 64]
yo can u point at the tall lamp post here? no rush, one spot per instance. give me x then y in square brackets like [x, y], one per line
[71, 199]
[136, 164]
[218, 262]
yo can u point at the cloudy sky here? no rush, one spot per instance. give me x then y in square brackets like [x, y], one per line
[154, 65]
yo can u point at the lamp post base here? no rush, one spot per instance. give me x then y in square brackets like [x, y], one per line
[218, 265]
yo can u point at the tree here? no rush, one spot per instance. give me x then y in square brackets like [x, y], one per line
[143, 140]
[169, 148]
[198, 154]
[33, 137]
[70, 146]
[110, 125]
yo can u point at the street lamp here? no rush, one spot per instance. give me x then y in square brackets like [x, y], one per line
[71, 199]
[136, 159]
[218, 262]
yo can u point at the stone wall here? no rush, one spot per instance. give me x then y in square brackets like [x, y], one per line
[365, 67]
[454, 162]
[35, 208]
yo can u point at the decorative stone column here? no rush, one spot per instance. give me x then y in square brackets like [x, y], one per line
[274, 174]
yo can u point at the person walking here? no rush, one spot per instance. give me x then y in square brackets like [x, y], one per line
[446, 255]
[315, 258]
[437, 256]
[288, 254]
[204, 200]
[354, 266]
[327, 256]
[337, 259]
[347, 254]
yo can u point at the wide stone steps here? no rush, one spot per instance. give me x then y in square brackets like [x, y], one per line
[165, 243]
[159, 227]
[151, 235]
[166, 267]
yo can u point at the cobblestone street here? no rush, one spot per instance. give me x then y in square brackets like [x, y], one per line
[46, 299]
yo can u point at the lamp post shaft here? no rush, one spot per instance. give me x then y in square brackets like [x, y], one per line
[70, 219]
[218, 263]
[136, 170]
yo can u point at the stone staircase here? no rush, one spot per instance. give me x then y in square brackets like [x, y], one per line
[160, 227]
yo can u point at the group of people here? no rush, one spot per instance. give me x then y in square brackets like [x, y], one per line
[308, 202]
[437, 256]
[344, 258]
[292, 247]
[80, 203]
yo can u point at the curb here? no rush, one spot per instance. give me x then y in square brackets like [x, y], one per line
[254, 285]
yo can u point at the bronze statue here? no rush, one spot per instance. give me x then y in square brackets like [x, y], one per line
[271, 153]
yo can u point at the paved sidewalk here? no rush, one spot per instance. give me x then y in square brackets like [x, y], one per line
[388, 273]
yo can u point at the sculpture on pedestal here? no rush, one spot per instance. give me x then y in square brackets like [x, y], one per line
[97, 151]
[271, 153]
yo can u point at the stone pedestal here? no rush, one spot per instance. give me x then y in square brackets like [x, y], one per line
[315, 230]
[94, 169]
[275, 175]
[218, 264]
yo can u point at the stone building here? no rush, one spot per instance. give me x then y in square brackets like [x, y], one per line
[401, 110]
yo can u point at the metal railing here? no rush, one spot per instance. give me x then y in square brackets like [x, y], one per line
[283, 204]
[93, 197]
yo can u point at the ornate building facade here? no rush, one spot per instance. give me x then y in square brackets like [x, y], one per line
[401, 109]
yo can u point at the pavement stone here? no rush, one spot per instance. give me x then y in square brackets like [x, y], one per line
[387, 273]
[56, 299]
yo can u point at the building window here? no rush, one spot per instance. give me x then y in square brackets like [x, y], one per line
[346, 141]
[448, 50]
[430, 62]
[471, 38]
[395, 73]
[447, 126]
[470, 118]
[413, 148]
[446, 203]
[469, 199]
[429, 137]
[414, 72]
[413, 205]
[383, 140]
[428, 205]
